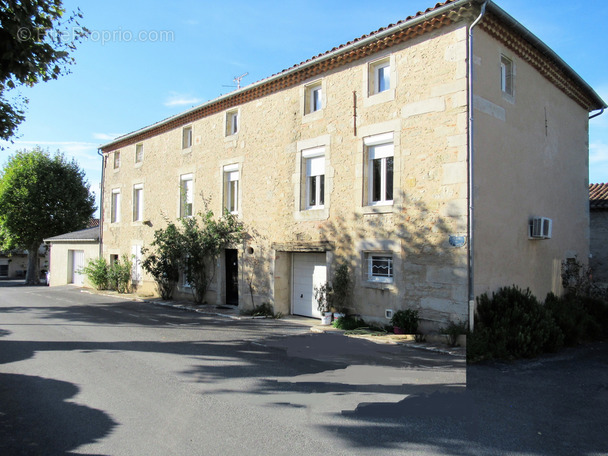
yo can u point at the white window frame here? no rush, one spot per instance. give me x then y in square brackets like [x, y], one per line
[115, 206]
[232, 177]
[139, 153]
[377, 68]
[116, 159]
[379, 147]
[186, 195]
[314, 162]
[313, 98]
[138, 202]
[374, 261]
[507, 76]
[187, 137]
[232, 122]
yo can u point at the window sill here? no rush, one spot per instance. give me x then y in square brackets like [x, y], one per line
[311, 214]
[385, 208]
[378, 98]
[312, 116]
[389, 286]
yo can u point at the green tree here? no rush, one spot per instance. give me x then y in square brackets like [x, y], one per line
[41, 196]
[202, 244]
[36, 41]
[164, 258]
[192, 247]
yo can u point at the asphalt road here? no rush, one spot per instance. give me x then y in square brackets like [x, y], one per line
[87, 374]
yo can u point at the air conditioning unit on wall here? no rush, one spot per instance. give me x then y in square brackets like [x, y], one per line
[540, 228]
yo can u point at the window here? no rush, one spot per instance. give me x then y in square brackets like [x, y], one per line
[115, 206]
[186, 188]
[380, 170]
[138, 203]
[232, 123]
[187, 137]
[139, 153]
[313, 101]
[380, 76]
[231, 188]
[506, 75]
[315, 177]
[117, 159]
[380, 267]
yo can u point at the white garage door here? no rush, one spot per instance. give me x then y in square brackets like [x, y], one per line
[77, 260]
[309, 270]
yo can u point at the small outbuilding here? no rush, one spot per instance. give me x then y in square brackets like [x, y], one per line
[598, 225]
[69, 253]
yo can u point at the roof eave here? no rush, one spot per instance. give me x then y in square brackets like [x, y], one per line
[313, 61]
[550, 53]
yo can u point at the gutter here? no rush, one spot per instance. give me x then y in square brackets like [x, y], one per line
[471, 155]
[101, 190]
[598, 114]
[314, 61]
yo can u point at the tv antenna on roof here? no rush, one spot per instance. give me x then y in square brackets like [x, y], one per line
[237, 81]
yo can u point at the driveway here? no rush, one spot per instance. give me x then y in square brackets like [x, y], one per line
[87, 374]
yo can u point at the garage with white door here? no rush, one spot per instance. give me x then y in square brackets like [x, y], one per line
[309, 271]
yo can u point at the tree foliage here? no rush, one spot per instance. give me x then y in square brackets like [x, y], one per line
[41, 196]
[163, 259]
[36, 42]
[192, 247]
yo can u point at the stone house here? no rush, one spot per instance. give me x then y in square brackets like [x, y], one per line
[598, 224]
[434, 176]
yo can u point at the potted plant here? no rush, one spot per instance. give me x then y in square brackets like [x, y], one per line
[323, 296]
[405, 321]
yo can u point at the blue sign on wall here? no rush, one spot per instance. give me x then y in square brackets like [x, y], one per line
[458, 241]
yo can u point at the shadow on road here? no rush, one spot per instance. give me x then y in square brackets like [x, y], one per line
[548, 407]
[37, 419]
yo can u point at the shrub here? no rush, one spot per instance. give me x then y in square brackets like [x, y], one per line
[348, 323]
[263, 310]
[97, 273]
[571, 317]
[163, 263]
[324, 296]
[453, 330]
[512, 324]
[119, 275]
[407, 320]
[342, 289]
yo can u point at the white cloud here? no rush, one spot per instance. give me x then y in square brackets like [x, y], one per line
[180, 99]
[106, 136]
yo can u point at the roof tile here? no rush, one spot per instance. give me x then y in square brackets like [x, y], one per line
[598, 196]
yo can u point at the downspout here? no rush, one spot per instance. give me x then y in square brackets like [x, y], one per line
[598, 114]
[101, 189]
[470, 176]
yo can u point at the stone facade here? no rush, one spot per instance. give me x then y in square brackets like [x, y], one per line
[406, 244]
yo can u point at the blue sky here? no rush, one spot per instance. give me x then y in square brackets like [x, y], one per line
[148, 60]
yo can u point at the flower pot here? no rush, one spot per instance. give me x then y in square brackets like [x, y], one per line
[326, 319]
[338, 315]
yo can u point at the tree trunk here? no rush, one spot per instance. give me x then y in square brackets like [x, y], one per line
[32, 276]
